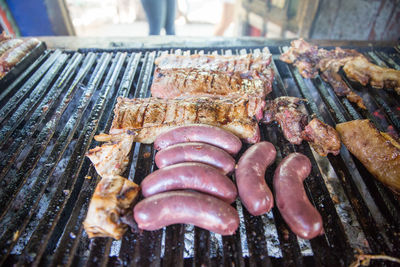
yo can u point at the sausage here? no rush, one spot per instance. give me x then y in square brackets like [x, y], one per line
[186, 207]
[199, 133]
[197, 152]
[291, 199]
[190, 175]
[253, 190]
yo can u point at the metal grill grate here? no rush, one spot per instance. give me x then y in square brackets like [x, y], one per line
[51, 112]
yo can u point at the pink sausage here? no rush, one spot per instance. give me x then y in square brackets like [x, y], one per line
[195, 208]
[291, 199]
[195, 152]
[199, 133]
[250, 178]
[190, 175]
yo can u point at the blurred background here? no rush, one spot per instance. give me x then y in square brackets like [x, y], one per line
[312, 19]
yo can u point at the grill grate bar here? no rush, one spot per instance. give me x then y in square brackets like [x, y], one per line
[16, 181]
[22, 137]
[63, 190]
[42, 140]
[31, 194]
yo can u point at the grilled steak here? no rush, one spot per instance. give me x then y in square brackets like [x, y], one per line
[146, 118]
[243, 75]
[293, 120]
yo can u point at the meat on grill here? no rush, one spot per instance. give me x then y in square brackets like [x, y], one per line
[13, 55]
[309, 59]
[105, 159]
[293, 120]
[146, 118]
[213, 75]
[111, 202]
[378, 153]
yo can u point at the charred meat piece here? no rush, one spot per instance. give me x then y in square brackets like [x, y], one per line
[322, 137]
[379, 154]
[309, 59]
[112, 157]
[293, 120]
[148, 117]
[364, 72]
[112, 201]
[12, 56]
[215, 75]
[285, 110]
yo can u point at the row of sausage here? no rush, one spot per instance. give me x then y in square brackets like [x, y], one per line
[192, 186]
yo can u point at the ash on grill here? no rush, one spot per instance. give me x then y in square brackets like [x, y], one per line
[51, 112]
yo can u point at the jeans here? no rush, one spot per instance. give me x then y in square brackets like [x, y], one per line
[160, 14]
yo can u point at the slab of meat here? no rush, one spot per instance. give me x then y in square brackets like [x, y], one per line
[293, 120]
[214, 75]
[146, 118]
[378, 153]
[112, 201]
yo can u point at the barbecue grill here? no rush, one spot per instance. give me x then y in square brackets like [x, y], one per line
[50, 113]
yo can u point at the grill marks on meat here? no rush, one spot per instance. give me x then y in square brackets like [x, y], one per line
[309, 59]
[13, 55]
[293, 121]
[213, 75]
[377, 151]
[148, 117]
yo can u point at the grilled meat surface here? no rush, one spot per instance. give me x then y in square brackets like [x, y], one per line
[112, 157]
[146, 118]
[214, 75]
[322, 137]
[112, 200]
[364, 72]
[309, 59]
[293, 119]
[378, 153]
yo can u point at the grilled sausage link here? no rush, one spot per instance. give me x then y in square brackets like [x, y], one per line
[199, 133]
[190, 175]
[195, 152]
[195, 208]
[291, 199]
[253, 190]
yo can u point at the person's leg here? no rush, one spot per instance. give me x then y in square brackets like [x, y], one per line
[155, 13]
[228, 11]
[170, 17]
